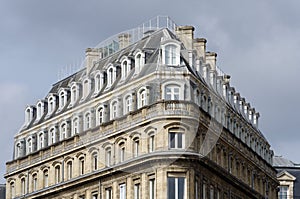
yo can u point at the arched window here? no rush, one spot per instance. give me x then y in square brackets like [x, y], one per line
[63, 98]
[121, 152]
[129, 103]
[29, 114]
[197, 98]
[40, 110]
[53, 135]
[94, 161]
[143, 97]
[87, 121]
[34, 182]
[75, 93]
[98, 82]
[87, 85]
[29, 145]
[176, 138]
[57, 174]
[64, 130]
[111, 76]
[75, 126]
[139, 62]
[69, 169]
[81, 165]
[23, 186]
[12, 189]
[114, 109]
[100, 116]
[51, 104]
[204, 103]
[108, 156]
[45, 178]
[136, 147]
[18, 150]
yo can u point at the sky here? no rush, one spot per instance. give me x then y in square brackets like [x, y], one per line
[257, 42]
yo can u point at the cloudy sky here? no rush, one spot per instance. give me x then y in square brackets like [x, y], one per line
[258, 44]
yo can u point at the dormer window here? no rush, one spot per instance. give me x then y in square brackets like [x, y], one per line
[75, 93]
[99, 81]
[88, 120]
[19, 149]
[171, 53]
[129, 103]
[41, 140]
[53, 135]
[76, 125]
[51, 104]
[111, 76]
[125, 67]
[30, 144]
[87, 86]
[29, 114]
[40, 109]
[143, 97]
[139, 62]
[63, 98]
[115, 109]
[101, 114]
[64, 130]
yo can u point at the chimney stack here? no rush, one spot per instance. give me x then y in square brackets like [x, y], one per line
[200, 47]
[124, 40]
[91, 56]
[186, 35]
[211, 59]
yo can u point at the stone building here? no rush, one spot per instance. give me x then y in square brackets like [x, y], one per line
[149, 116]
[288, 175]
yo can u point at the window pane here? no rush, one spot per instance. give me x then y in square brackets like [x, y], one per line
[171, 188]
[179, 137]
[180, 188]
[172, 140]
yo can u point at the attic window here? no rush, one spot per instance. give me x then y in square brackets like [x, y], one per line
[171, 53]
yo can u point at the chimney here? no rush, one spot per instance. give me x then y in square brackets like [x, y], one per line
[200, 47]
[91, 56]
[255, 119]
[186, 35]
[211, 59]
[124, 40]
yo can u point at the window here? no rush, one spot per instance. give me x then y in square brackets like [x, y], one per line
[139, 62]
[137, 191]
[81, 165]
[176, 138]
[111, 76]
[51, 104]
[121, 152]
[40, 109]
[283, 192]
[23, 186]
[172, 92]
[29, 114]
[125, 68]
[87, 121]
[171, 55]
[176, 187]
[12, 189]
[63, 131]
[128, 104]
[34, 182]
[52, 135]
[211, 192]
[100, 115]
[143, 97]
[151, 143]
[57, 174]
[75, 126]
[95, 161]
[19, 150]
[46, 178]
[98, 83]
[63, 99]
[29, 145]
[69, 170]
[122, 191]
[114, 109]
[108, 157]
[86, 88]
[196, 190]
[152, 189]
[41, 140]
[204, 191]
[95, 195]
[74, 93]
[136, 144]
[108, 193]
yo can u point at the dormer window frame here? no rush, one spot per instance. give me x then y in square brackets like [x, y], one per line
[139, 60]
[143, 96]
[30, 113]
[64, 130]
[129, 102]
[171, 52]
[101, 114]
[111, 75]
[75, 93]
[52, 102]
[98, 82]
[40, 109]
[125, 67]
[86, 88]
[63, 98]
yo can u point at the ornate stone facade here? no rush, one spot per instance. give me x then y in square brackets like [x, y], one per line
[151, 119]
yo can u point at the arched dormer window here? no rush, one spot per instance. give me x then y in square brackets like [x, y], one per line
[63, 98]
[111, 75]
[171, 52]
[87, 87]
[75, 93]
[29, 114]
[129, 103]
[173, 91]
[125, 67]
[197, 97]
[139, 62]
[53, 135]
[51, 104]
[41, 140]
[115, 109]
[57, 176]
[64, 130]
[99, 81]
[40, 109]
[143, 97]
[101, 114]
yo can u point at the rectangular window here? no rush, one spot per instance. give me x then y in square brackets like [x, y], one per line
[176, 187]
[204, 191]
[151, 143]
[196, 190]
[122, 191]
[152, 189]
[176, 140]
[211, 193]
[108, 157]
[283, 192]
[136, 148]
[108, 193]
[137, 191]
